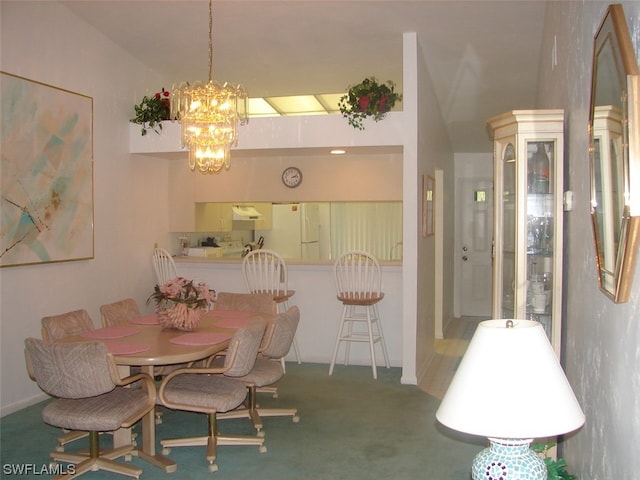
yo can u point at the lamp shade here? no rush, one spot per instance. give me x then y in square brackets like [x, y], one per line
[510, 385]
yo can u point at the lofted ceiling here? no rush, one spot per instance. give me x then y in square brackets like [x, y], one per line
[483, 56]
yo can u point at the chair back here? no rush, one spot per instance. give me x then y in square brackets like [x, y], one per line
[264, 271]
[357, 274]
[281, 333]
[164, 266]
[246, 302]
[70, 370]
[119, 312]
[243, 349]
[57, 327]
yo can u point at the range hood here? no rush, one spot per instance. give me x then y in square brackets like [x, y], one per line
[245, 212]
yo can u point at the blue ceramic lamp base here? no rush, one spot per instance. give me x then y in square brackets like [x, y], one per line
[508, 459]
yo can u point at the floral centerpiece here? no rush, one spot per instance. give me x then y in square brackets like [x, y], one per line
[368, 99]
[180, 303]
[152, 111]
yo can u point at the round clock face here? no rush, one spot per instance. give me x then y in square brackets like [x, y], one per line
[292, 177]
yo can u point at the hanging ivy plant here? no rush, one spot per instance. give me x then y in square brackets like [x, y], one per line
[368, 99]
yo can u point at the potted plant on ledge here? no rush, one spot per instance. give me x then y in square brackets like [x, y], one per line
[152, 111]
[368, 99]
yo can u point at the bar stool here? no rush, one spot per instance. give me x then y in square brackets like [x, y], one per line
[358, 283]
[264, 271]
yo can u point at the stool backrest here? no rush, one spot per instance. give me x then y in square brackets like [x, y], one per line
[163, 265]
[357, 275]
[265, 271]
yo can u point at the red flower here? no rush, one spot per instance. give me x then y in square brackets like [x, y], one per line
[363, 103]
[165, 93]
[382, 104]
[157, 95]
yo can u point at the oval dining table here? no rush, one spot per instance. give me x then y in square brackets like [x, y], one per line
[146, 344]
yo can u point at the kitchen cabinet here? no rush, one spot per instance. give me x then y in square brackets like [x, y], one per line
[528, 219]
[213, 217]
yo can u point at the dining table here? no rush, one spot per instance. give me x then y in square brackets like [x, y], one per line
[144, 343]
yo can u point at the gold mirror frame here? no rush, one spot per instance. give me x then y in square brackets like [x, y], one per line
[614, 150]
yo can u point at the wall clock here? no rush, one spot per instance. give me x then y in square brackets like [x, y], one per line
[292, 177]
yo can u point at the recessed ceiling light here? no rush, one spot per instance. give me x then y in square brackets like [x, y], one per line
[338, 151]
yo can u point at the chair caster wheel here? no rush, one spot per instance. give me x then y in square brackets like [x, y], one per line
[262, 449]
[158, 421]
[166, 451]
[260, 433]
[275, 395]
[59, 448]
[127, 457]
[296, 419]
[213, 467]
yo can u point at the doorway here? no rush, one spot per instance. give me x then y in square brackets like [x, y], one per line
[474, 235]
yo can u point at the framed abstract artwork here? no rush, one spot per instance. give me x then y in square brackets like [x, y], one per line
[428, 187]
[46, 173]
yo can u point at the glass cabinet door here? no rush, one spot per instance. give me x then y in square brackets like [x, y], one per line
[540, 231]
[508, 231]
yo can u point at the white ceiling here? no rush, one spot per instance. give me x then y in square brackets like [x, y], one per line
[482, 55]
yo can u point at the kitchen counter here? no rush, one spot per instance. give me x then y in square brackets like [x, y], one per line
[288, 261]
[314, 284]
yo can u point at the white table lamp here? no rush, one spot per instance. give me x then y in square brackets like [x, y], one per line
[511, 388]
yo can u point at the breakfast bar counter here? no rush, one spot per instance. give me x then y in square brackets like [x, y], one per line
[315, 295]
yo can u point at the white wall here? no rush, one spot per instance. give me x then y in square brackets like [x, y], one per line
[42, 41]
[601, 339]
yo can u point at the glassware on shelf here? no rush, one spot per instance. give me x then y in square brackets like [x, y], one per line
[539, 170]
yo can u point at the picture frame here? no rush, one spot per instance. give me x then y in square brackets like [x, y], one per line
[46, 173]
[428, 197]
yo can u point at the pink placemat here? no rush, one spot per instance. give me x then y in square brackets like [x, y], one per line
[146, 320]
[123, 348]
[232, 314]
[201, 338]
[110, 332]
[233, 322]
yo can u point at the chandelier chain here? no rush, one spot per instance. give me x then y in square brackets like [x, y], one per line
[210, 41]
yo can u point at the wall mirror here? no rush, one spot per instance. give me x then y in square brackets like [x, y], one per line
[614, 125]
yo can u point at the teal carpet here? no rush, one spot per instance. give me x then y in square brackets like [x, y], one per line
[352, 427]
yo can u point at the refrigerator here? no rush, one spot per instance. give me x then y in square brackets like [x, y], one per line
[295, 230]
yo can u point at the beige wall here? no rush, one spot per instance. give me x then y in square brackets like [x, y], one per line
[44, 42]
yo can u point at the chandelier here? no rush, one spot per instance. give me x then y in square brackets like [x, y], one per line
[209, 115]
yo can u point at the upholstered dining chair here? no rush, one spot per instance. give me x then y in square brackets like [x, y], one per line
[245, 302]
[268, 370]
[358, 283]
[265, 271]
[163, 265]
[89, 395]
[212, 390]
[63, 325]
[249, 302]
[57, 327]
[119, 312]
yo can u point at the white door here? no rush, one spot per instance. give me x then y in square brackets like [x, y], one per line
[473, 246]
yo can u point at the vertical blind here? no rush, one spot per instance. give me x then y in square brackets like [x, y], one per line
[375, 227]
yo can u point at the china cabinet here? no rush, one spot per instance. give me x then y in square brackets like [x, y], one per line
[528, 189]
